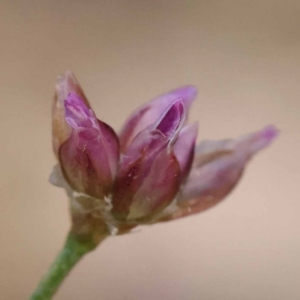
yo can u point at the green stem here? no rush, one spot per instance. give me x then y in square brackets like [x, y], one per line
[73, 250]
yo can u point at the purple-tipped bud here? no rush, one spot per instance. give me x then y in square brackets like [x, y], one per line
[149, 176]
[89, 157]
[218, 166]
[152, 111]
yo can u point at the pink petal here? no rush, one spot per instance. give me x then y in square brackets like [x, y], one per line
[67, 83]
[219, 170]
[141, 154]
[134, 169]
[159, 188]
[89, 158]
[184, 148]
[151, 112]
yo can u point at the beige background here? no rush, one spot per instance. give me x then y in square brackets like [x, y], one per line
[244, 56]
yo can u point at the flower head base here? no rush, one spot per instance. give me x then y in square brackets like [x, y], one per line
[151, 171]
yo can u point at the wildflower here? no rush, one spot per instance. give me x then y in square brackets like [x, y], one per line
[151, 171]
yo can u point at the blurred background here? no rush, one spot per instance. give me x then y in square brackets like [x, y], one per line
[244, 57]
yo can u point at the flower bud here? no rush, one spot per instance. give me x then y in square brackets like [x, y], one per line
[149, 175]
[218, 166]
[151, 172]
[89, 157]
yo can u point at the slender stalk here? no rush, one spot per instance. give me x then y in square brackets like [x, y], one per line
[73, 250]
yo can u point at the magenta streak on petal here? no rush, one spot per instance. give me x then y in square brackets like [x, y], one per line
[172, 120]
[78, 114]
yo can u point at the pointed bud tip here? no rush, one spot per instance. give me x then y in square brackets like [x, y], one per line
[66, 83]
[187, 93]
[263, 138]
[269, 133]
[189, 90]
[63, 80]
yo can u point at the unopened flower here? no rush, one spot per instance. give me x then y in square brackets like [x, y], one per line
[151, 171]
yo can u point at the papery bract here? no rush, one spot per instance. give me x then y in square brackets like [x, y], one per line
[66, 83]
